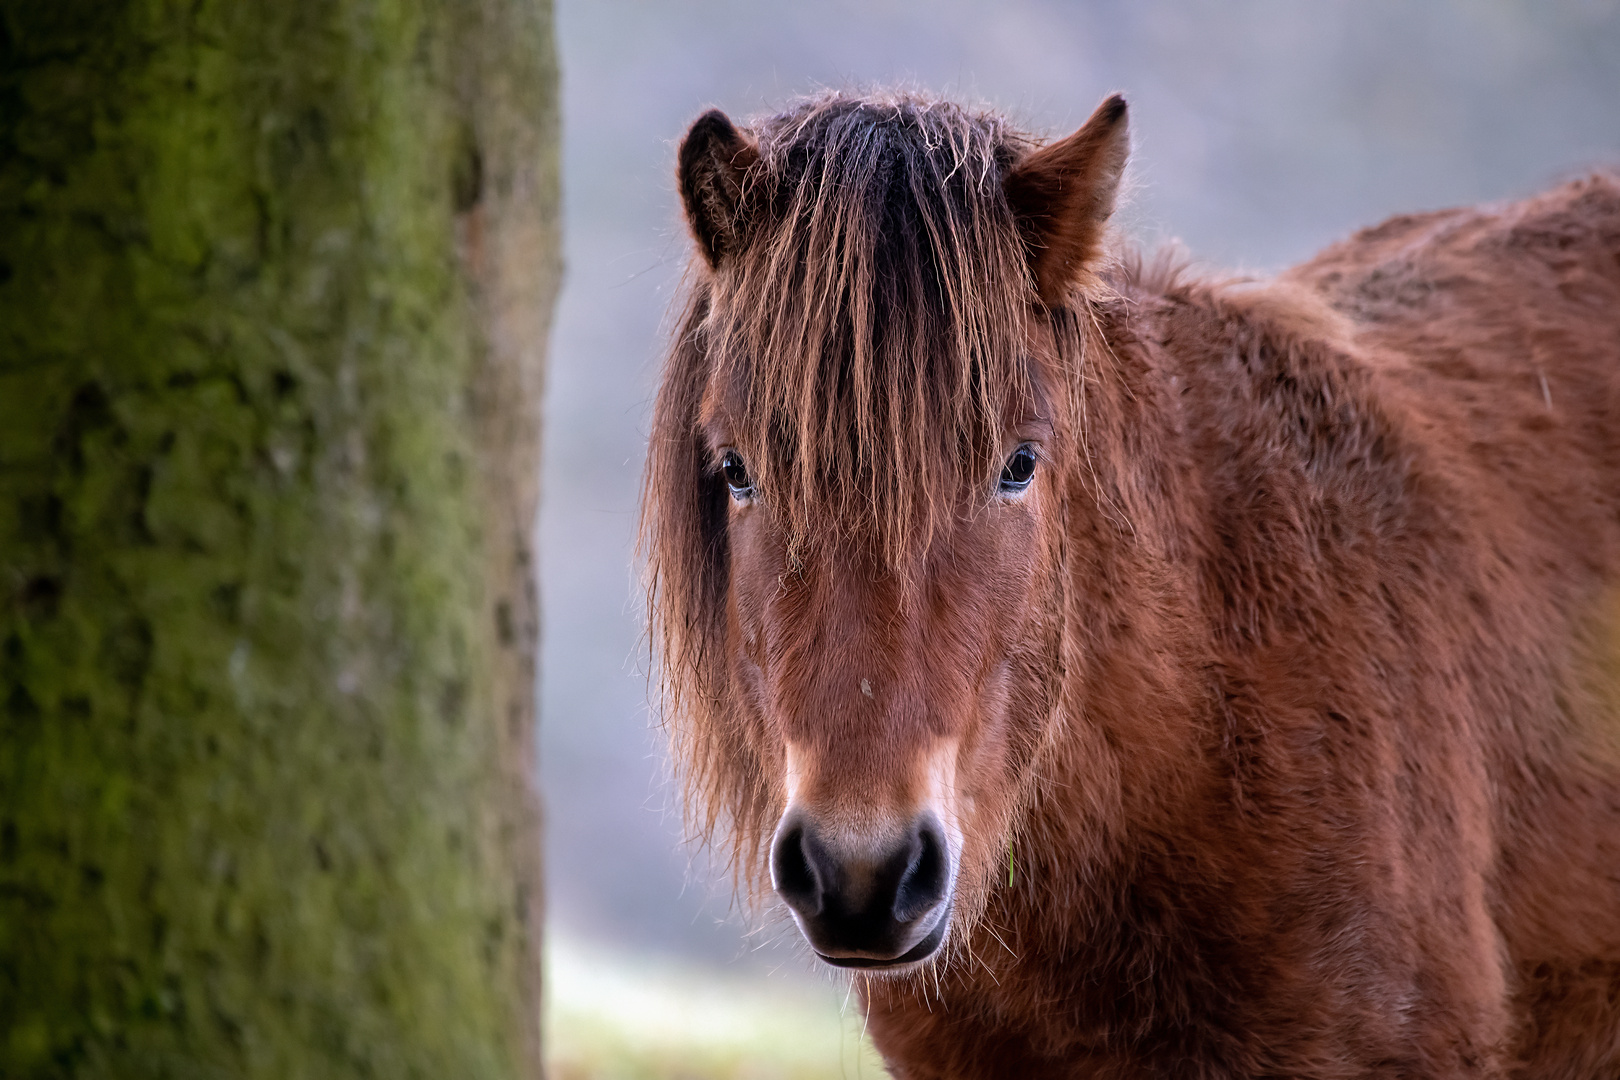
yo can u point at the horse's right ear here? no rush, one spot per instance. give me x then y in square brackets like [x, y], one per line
[714, 156]
[1062, 195]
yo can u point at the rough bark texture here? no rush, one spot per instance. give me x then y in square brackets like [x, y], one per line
[274, 285]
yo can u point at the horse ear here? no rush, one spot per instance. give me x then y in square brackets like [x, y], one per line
[713, 158]
[1063, 193]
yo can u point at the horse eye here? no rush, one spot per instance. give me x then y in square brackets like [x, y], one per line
[737, 478]
[1020, 468]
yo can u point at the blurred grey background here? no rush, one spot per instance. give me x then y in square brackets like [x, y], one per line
[1263, 130]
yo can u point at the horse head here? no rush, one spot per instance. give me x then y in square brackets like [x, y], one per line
[858, 482]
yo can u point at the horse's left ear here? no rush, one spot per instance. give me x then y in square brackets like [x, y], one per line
[713, 159]
[1062, 195]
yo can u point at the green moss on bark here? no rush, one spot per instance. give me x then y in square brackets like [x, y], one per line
[259, 815]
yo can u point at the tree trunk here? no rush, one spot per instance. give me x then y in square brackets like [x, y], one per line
[275, 279]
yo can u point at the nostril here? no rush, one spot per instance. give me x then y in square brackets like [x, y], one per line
[793, 874]
[922, 886]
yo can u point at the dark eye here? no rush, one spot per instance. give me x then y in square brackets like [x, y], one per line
[737, 478]
[1016, 474]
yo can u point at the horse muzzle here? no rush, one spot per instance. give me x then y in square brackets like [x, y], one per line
[861, 904]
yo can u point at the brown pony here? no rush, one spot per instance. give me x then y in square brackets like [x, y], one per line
[1135, 675]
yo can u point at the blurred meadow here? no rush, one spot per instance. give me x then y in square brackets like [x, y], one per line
[630, 1016]
[1263, 130]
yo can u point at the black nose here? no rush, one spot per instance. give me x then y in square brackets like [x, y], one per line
[864, 907]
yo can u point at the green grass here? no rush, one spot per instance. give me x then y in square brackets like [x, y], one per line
[623, 1017]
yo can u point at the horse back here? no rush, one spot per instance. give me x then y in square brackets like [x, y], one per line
[1497, 330]
[1491, 341]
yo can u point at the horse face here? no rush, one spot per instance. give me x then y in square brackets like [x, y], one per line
[859, 325]
[905, 702]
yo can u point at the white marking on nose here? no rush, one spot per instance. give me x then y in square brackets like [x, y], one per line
[872, 821]
[942, 796]
[866, 688]
[795, 774]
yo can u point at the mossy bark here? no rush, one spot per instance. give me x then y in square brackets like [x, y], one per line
[274, 284]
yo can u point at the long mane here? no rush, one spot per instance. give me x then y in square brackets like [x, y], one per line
[862, 347]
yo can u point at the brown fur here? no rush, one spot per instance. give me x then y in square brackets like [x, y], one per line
[1283, 711]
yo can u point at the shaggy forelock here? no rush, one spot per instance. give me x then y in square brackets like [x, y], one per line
[866, 338]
